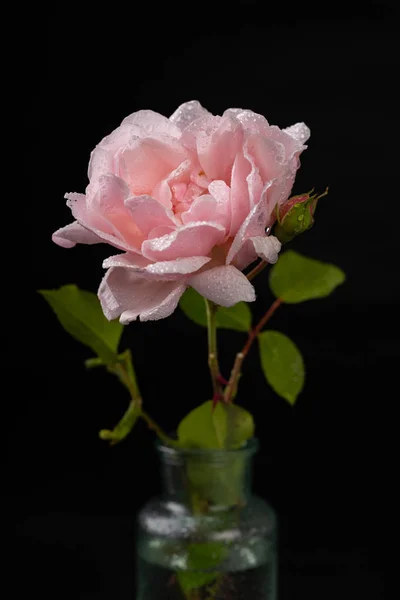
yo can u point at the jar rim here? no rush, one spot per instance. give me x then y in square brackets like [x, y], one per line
[249, 448]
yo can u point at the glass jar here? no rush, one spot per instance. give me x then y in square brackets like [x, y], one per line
[207, 537]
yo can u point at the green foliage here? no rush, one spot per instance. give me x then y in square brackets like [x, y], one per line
[237, 317]
[296, 278]
[203, 560]
[124, 426]
[227, 426]
[80, 313]
[282, 364]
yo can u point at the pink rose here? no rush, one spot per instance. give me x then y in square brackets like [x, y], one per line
[190, 200]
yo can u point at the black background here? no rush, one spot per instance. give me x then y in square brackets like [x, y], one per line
[322, 464]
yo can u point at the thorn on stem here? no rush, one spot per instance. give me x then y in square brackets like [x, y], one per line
[221, 379]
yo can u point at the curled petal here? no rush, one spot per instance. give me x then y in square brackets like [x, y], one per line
[167, 270]
[74, 233]
[253, 179]
[126, 294]
[101, 162]
[147, 213]
[102, 157]
[222, 194]
[145, 162]
[136, 262]
[240, 203]
[88, 210]
[268, 154]
[214, 207]
[299, 131]
[203, 208]
[267, 247]
[151, 123]
[105, 203]
[224, 285]
[281, 187]
[188, 112]
[254, 225]
[206, 125]
[250, 120]
[217, 150]
[193, 239]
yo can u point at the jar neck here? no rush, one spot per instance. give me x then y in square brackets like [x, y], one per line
[206, 480]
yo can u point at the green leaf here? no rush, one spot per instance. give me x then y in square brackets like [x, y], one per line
[282, 364]
[203, 560]
[80, 313]
[193, 306]
[296, 278]
[203, 427]
[124, 427]
[194, 580]
[237, 317]
[240, 425]
[227, 426]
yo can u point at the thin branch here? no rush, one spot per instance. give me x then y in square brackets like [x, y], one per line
[257, 269]
[211, 310]
[126, 372]
[157, 429]
[254, 333]
[231, 389]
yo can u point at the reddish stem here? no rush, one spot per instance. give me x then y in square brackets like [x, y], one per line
[231, 388]
[216, 398]
[254, 333]
[221, 379]
[257, 269]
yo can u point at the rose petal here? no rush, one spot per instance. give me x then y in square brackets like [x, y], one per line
[163, 270]
[281, 187]
[75, 233]
[254, 225]
[145, 162]
[147, 213]
[92, 219]
[102, 158]
[159, 231]
[203, 208]
[253, 179]
[267, 247]
[240, 203]
[135, 262]
[193, 239]
[178, 177]
[101, 162]
[87, 211]
[214, 207]
[224, 285]
[152, 123]
[109, 203]
[206, 125]
[217, 150]
[126, 294]
[222, 194]
[188, 112]
[250, 120]
[269, 155]
[299, 131]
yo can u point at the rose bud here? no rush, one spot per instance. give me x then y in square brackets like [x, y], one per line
[296, 215]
